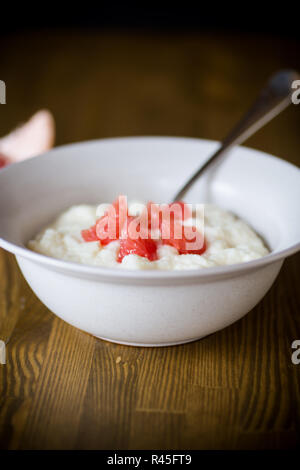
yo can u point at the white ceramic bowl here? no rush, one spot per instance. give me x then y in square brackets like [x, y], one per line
[149, 308]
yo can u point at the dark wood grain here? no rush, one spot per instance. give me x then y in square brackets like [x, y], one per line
[64, 389]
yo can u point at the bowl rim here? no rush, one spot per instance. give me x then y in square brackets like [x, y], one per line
[112, 274]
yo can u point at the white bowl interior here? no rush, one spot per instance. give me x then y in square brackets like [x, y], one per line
[263, 190]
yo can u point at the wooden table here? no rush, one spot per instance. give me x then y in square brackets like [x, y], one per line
[62, 388]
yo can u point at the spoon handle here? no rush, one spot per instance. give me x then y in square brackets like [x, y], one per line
[273, 99]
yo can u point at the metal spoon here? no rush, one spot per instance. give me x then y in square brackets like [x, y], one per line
[273, 99]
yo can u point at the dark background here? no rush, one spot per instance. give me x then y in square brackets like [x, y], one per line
[263, 17]
[122, 68]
